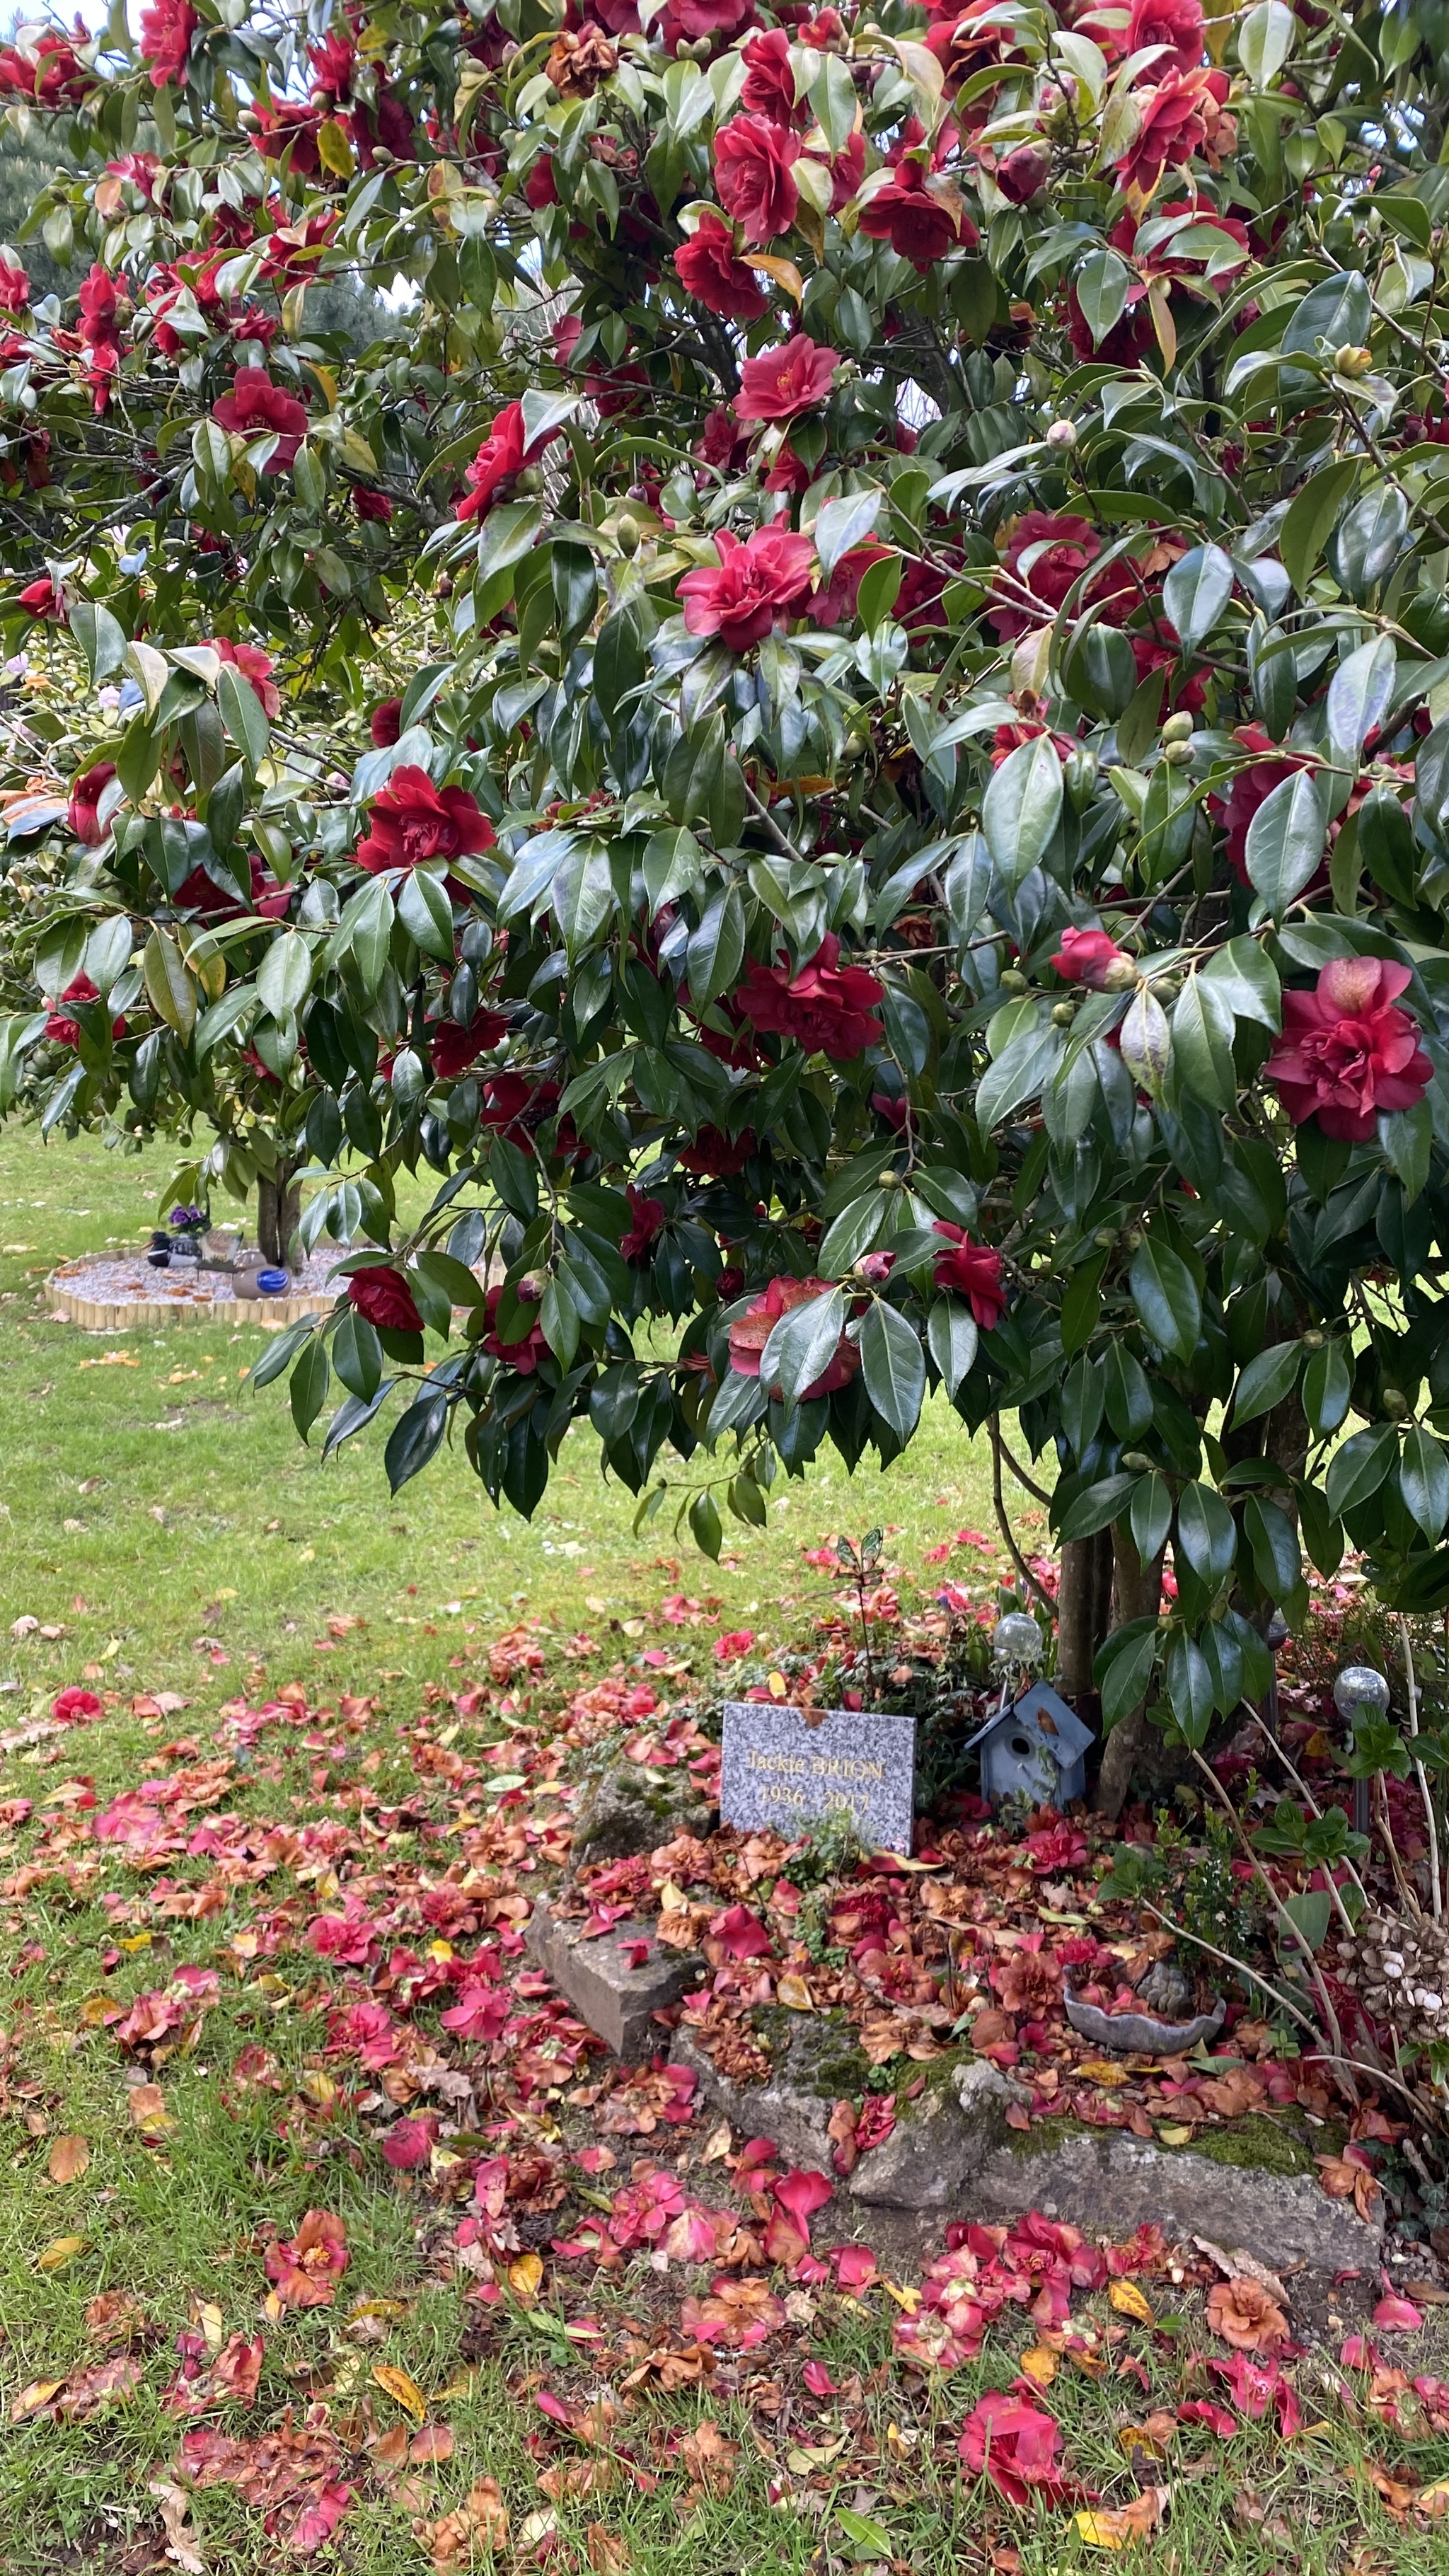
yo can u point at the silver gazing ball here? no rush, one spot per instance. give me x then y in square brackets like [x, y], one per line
[1016, 1639]
[1357, 1688]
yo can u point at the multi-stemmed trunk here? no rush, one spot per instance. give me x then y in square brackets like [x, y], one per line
[279, 1212]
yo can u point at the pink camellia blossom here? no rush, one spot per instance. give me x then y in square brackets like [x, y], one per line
[1167, 22]
[751, 1332]
[306, 2268]
[833, 603]
[1022, 174]
[1058, 548]
[1087, 957]
[1347, 1053]
[1184, 114]
[1397, 2315]
[503, 454]
[753, 161]
[974, 1271]
[74, 1706]
[1013, 2442]
[479, 2013]
[740, 1934]
[256, 408]
[769, 83]
[83, 812]
[830, 1008]
[785, 381]
[736, 1642]
[43, 598]
[409, 2143]
[167, 28]
[254, 665]
[757, 586]
[14, 287]
[710, 268]
[796, 2197]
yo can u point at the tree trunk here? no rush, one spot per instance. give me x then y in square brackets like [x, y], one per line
[1136, 1593]
[1084, 1615]
[279, 1213]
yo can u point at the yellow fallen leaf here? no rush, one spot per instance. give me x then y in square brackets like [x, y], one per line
[815, 2455]
[136, 1941]
[1040, 2365]
[147, 2106]
[1128, 2301]
[68, 2159]
[1102, 2070]
[525, 2278]
[1433, 2500]
[907, 2299]
[401, 2388]
[794, 1992]
[1116, 2528]
[1176, 2134]
[60, 2251]
[31, 2399]
[317, 2086]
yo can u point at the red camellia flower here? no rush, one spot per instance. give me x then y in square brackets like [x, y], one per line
[1178, 118]
[758, 585]
[1167, 22]
[769, 83]
[502, 455]
[712, 272]
[919, 226]
[384, 1299]
[650, 1219]
[1251, 786]
[72, 1707]
[974, 1271]
[44, 598]
[64, 1029]
[514, 1105]
[200, 893]
[82, 814]
[752, 166]
[413, 820]
[716, 1156]
[254, 665]
[749, 1334]
[46, 72]
[1057, 549]
[385, 723]
[256, 408]
[828, 1007]
[167, 28]
[1347, 1052]
[523, 1356]
[1013, 2442]
[409, 2143]
[1085, 956]
[369, 504]
[14, 287]
[307, 2267]
[1024, 173]
[795, 378]
[453, 1048]
[835, 603]
[479, 2013]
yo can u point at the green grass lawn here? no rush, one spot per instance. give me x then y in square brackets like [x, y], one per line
[175, 1533]
[146, 1506]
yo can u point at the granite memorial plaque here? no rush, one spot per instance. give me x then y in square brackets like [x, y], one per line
[785, 1767]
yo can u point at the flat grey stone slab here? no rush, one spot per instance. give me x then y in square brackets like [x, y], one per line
[951, 2155]
[782, 1767]
[617, 2001]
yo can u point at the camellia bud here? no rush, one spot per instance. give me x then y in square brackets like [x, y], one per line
[1164, 988]
[890, 1181]
[1350, 361]
[1079, 777]
[1013, 981]
[1120, 976]
[1137, 1460]
[1178, 755]
[1062, 433]
[1063, 1014]
[1178, 728]
[1312, 1340]
[531, 1287]
[529, 480]
[627, 535]
[1396, 1404]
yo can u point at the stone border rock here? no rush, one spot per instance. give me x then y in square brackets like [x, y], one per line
[617, 2001]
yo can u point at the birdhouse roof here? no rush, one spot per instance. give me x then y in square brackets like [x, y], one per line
[1058, 1726]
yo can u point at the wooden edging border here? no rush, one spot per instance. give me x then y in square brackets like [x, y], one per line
[140, 1314]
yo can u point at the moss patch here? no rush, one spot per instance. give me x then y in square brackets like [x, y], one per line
[819, 2053]
[1255, 2144]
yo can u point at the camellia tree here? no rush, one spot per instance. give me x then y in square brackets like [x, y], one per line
[842, 730]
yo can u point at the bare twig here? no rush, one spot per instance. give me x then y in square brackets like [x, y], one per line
[1436, 1885]
[1003, 1524]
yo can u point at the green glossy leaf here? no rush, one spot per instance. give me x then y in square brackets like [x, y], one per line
[894, 1368]
[1165, 1295]
[1266, 1380]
